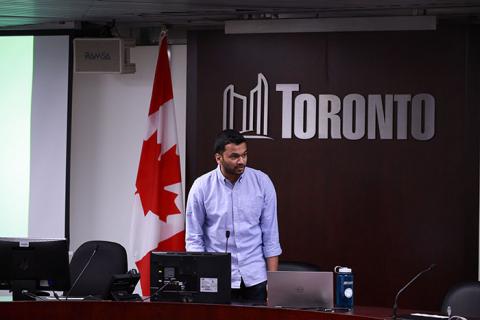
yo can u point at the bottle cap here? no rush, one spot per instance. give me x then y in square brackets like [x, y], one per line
[344, 269]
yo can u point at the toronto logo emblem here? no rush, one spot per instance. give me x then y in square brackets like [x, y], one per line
[393, 116]
[254, 110]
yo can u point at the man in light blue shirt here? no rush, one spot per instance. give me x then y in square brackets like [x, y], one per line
[233, 208]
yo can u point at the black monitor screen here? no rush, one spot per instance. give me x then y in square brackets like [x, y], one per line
[33, 264]
[190, 277]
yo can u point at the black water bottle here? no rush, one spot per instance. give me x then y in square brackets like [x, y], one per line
[343, 287]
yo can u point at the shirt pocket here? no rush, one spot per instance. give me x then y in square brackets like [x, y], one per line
[252, 209]
[215, 213]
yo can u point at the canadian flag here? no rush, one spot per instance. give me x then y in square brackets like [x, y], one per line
[158, 220]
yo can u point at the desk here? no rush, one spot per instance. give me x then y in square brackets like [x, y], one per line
[90, 310]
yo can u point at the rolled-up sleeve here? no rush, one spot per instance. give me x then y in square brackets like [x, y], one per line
[195, 216]
[269, 223]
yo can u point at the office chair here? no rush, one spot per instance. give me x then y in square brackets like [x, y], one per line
[297, 266]
[463, 299]
[99, 260]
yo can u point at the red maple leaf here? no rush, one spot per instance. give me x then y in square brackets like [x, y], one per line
[154, 175]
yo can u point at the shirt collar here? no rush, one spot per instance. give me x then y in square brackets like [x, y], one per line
[222, 178]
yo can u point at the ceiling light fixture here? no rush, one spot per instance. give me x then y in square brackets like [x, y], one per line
[396, 23]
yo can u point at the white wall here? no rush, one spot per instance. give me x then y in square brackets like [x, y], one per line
[48, 138]
[109, 117]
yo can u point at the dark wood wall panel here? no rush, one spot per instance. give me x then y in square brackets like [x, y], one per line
[387, 208]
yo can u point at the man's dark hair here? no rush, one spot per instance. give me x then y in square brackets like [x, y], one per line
[225, 137]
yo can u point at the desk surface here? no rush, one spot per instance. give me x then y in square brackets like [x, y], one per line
[109, 310]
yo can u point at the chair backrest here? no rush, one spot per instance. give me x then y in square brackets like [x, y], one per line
[464, 300]
[109, 258]
[297, 266]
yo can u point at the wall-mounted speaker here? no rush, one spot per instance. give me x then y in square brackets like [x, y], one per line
[103, 55]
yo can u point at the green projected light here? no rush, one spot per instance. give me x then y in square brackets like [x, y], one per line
[16, 72]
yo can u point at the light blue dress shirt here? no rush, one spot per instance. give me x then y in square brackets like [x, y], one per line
[248, 209]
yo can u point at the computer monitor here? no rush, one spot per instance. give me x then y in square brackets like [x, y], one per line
[33, 265]
[190, 277]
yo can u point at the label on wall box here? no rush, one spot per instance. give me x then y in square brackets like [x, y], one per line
[208, 285]
[103, 55]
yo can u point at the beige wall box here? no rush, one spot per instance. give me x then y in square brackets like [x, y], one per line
[103, 55]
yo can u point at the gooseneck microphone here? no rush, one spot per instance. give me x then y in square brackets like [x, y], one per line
[227, 235]
[395, 306]
[81, 272]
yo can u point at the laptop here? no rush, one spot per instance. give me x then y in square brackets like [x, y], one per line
[300, 289]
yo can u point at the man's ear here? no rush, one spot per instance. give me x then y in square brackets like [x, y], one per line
[218, 156]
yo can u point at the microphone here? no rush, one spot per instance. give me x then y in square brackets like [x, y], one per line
[227, 235]
[81, 272]
[395, 306]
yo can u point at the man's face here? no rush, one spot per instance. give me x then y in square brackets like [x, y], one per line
[233, 160]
